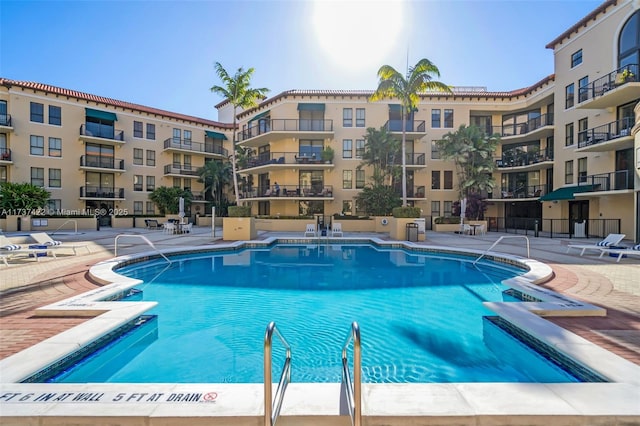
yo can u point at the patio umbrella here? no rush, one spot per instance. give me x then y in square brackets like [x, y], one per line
[181, 207]
[463, 209]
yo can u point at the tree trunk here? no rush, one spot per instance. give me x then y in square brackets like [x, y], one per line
[233, 162]
[404, 159]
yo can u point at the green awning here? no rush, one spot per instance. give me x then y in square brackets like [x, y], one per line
[259, 116]
[566, 193]
[215, 135]
[310, 107]
[101, 115]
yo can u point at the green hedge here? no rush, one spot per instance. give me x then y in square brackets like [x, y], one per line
[239, 211]
[406, 212]
[452, 220]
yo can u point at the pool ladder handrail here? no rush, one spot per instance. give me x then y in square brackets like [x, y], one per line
[75, 226]
[115, 253]
[272, 406]
[500, 239]
[353, 389]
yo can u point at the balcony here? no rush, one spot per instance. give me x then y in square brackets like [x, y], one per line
[177, 169]
[290, 192]
[198, 197]
[188, 146]
[413, 192]
[412, 127]
[521, 193]
[536, 128]
[613, 181]
[5, 156]
[608, 137]
[99, 163]
[525, 161]
[100, 133]
[616, 88]
[413, 160]
[277, 160]
[261, 132]
[5, 122]
[101, 193]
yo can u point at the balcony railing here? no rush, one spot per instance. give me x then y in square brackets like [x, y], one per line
[313, 191]
[606, 132]
[97, 130]
[102, 162]
[612, 181]
[180, 169]
[283, 158]
[197, 196]
[619, 77]
[417, 126]
[101, 192]
[412, 159]
[5, 154]
[5, 120]
[510, 159]
[508, 192]
[189, 145]
[285, 125]
[524, 128]
[412, 191]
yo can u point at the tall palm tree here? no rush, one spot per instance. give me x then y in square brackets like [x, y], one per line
[393, 84]
[236, 89]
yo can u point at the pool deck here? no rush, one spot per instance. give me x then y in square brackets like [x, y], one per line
[26, 285]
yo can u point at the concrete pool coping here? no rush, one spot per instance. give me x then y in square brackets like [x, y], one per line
[319, 403]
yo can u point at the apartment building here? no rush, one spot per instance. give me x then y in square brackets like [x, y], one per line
[567, 147]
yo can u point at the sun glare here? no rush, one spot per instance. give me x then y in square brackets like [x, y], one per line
[358, 34]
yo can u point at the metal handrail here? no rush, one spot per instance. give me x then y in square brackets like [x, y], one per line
[353, 388]
[65, 222]
[115, 253]
[500, 239]
[272, 406]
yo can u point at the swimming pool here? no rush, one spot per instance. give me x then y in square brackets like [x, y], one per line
[421, 317]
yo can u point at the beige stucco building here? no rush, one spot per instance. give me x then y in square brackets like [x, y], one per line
[566, 155]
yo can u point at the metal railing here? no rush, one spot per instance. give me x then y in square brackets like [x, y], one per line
[529, 126]
[616, 78]
[181, 169]
[353, 388]
[142, 237]
[101, 192]
[5, 120]
[101, 161]
[500, 239]
[512, 158]
[189, 145]
[285, 125]
[101, 131]
[314, 191]
[5, 154]
[75, 226]
[272, 405]
[551, 228]
[409, 125]
[606, 132]
[612, 181]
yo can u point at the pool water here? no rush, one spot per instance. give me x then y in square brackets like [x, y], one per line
[420, 315]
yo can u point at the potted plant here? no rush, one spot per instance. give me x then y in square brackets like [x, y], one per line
[625, 76]
[327, 154]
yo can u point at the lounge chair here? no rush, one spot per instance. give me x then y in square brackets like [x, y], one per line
[169, 228]
[611, 240]
[42, 238]
[336, 229]
[629, 251]
[311, 230]
[8, 250]
[152, 224]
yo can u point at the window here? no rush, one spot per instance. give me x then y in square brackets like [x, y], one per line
[37, 112]
[360, 179]
[568, 95]
[187, 137]
[448, 208]
[137, 207]
[359, 148]
[151, 183]
[360, 114]
[54, 205]
[177, 182]
[347, 179]
[448, 118]
[137, 182]
[151, 131]
[435, 152]
[583, 125]
[448, 179]
[435, 118]
[583, 89]
[347, 151]
[37, 145]
[582, 169]
[576, 58]
[151, 157]
[37, 176]
[347, 207]
[347, 117]
[435, 179]
[55, 115]
[186, 184]
[568, 171]
[3, 174]
[435, 208]
[55, 147]
[568, 137]
[177, 135]
[55, 178]
[138, 156]
[151, 207]
[137, 129]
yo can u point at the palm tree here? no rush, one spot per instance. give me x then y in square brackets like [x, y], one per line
[393, 84]
[380, 150]
[215, 175]
[235, 89]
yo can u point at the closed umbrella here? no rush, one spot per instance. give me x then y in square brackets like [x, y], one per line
[181, 207]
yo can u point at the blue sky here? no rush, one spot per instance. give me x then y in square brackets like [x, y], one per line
[162, 53]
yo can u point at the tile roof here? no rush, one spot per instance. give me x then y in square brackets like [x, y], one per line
[111, 102]
[581, 23]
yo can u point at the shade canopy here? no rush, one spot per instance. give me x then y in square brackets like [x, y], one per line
[310, 107]
[566, 193]
[259, 116]
[215, 135]
[101, 115]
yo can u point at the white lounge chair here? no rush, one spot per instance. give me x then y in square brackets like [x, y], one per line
[8, 250]
[611, 240]
[336, 229]
[42, 238]
[629, 251]
[311, 230]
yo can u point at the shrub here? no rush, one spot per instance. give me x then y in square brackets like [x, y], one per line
[452, 220]
[406, 212]
[239, 211]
